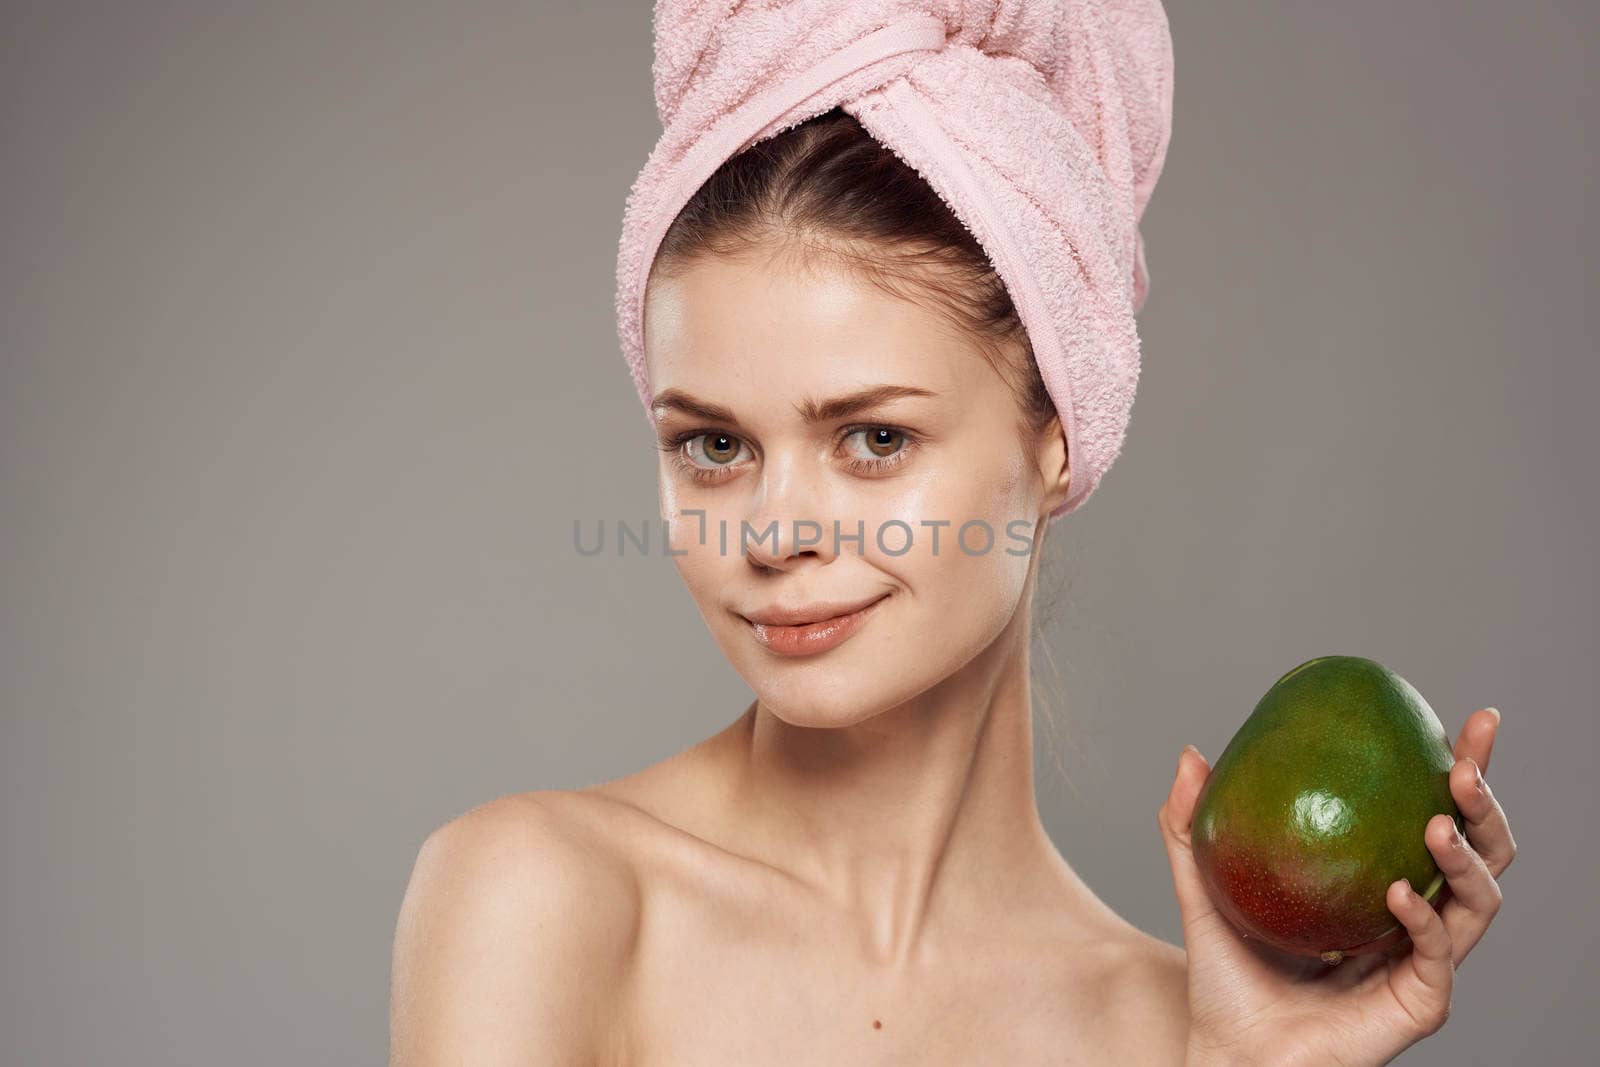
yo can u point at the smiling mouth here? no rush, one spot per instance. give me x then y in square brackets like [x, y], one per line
[810, 638]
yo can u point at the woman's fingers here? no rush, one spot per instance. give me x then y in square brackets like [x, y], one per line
[1477, 736]
[1421, 981]
[1474, 894]
[1472, 863]
[1487, 829]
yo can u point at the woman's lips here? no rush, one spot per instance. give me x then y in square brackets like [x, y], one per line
[812, 637]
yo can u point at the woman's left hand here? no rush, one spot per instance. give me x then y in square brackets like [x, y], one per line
[1250, 1004]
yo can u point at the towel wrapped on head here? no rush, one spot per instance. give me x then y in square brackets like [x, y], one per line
[1043, 124]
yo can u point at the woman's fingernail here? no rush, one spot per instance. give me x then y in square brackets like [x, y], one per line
[1496, 713]
[1477, 774]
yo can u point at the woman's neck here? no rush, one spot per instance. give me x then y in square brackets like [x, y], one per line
[919, 822]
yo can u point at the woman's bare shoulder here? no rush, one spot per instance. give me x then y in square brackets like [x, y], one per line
[563, 832]
[1149, 986]
[564, 844]
[517, 926]
[1132, 985]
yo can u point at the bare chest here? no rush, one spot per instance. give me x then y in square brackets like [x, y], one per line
[725, 986]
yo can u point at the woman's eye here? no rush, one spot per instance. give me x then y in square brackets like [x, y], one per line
[716, 449]
[880, 442]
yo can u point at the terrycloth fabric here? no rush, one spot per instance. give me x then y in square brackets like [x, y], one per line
[1043, 124]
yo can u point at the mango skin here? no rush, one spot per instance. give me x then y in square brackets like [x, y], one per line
[1318, 803]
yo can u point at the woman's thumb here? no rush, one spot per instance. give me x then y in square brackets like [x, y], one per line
[1175, 820]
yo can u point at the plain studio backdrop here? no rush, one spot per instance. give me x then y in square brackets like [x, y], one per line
[310, 368]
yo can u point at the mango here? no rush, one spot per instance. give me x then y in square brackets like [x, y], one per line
[1318, 803]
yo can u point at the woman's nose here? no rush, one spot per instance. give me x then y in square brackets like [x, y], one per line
[789, 521]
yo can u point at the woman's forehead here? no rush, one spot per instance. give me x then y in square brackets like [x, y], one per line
[727, 324]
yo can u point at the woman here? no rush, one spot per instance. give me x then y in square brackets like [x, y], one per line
[861, 453]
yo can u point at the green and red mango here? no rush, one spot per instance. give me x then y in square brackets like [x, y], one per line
[1319, 803]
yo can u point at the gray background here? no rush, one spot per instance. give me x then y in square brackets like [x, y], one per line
[309, 366]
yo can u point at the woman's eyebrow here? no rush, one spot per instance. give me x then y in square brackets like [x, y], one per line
[812, 411]
[678, 400]
[842, 407]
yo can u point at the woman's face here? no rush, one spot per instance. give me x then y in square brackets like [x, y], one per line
[752, 360]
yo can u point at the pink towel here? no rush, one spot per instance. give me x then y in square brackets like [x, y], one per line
[1043, 124]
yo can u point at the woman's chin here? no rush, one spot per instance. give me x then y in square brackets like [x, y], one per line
[796, 710]
[831, 696]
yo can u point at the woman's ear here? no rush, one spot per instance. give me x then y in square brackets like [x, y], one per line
[1055, 469]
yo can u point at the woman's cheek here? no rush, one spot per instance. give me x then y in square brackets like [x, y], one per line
[690, 541]
[991, 574]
